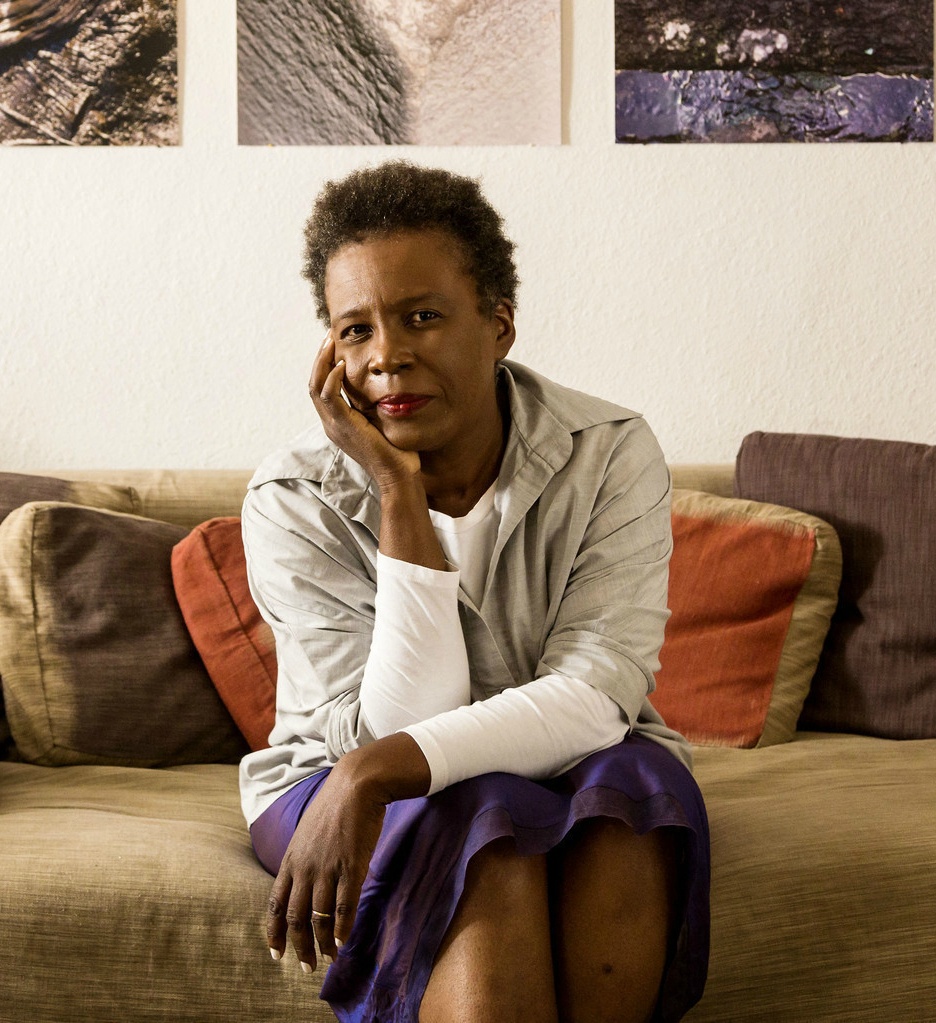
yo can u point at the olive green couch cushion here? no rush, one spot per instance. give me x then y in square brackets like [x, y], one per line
[132, 895]
[16, 489]
[823, 887]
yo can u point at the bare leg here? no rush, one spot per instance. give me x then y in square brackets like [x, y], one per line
[495, 964]
[613, 895]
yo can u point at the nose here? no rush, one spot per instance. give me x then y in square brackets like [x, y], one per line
[389, 351]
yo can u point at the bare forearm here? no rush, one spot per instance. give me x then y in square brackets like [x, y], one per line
[327, 859]
[389, 769]
[406, 531]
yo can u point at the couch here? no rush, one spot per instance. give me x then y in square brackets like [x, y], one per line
[128, 889]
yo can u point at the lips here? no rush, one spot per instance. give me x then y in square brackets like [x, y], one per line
[401, 405]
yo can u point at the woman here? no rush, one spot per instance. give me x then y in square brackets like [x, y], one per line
[468, 802]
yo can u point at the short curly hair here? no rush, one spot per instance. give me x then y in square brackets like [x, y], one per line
[401, 196]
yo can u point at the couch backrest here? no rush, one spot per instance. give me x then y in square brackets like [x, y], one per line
[713, 478]
[185, 497]
[190, 496]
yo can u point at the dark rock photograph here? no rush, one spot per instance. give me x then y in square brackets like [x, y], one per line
[88, 73]
[774, 71]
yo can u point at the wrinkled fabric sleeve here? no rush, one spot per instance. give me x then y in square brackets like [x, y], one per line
[610, 623]
[536, 730]
[314, 582]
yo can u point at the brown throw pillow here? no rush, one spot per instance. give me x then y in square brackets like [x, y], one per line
[97, 664]
[877, 673]
[209, 572]
[17, 489]
[752, 589]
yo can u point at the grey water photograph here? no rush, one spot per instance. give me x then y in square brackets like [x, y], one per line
[397, 72]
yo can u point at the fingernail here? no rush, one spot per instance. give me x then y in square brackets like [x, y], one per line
[277, 955]
[305, 967]
[339, 944]
[328, 959]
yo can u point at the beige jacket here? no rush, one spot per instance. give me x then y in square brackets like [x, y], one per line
[577, 584]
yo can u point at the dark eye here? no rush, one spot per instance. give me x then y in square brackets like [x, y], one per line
[424, 316]
[356, 332]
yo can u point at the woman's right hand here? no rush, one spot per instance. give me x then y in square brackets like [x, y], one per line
[350, 430]
[316, 892]
[406, 531]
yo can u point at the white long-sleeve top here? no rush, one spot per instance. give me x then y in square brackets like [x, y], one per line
[417, 680]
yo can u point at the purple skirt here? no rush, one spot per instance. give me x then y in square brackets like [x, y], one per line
[417, 874]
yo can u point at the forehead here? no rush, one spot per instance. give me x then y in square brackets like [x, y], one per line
[394, 265]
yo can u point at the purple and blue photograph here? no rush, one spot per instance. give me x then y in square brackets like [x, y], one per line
[88, 73]
[773, 71]
[393, 72]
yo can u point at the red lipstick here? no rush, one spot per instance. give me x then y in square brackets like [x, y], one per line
[401, 405]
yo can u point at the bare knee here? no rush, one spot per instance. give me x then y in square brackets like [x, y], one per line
[503, 873]
[623, 884]
[497, 949]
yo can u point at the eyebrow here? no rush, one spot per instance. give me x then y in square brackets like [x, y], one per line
[357, 312]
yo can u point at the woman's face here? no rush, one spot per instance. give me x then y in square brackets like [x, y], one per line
[420, 357]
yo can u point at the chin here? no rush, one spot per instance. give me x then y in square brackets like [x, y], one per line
[406, 440]
[408, 437]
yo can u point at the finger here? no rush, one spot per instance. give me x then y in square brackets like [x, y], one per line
[336, 414]
[276, 914]
[346, 904]
[331, 388]
[299, 925]
[323, 924]
[323, 364]
[326, 391]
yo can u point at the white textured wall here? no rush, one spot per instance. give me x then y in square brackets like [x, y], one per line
[151, 310]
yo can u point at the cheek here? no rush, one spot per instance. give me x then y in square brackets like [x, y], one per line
[355, 375]
[353, 358]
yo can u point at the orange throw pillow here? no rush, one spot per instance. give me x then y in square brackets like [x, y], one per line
[752, 590]
[209, 573]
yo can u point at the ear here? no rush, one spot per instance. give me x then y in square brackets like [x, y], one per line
[503, 320]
